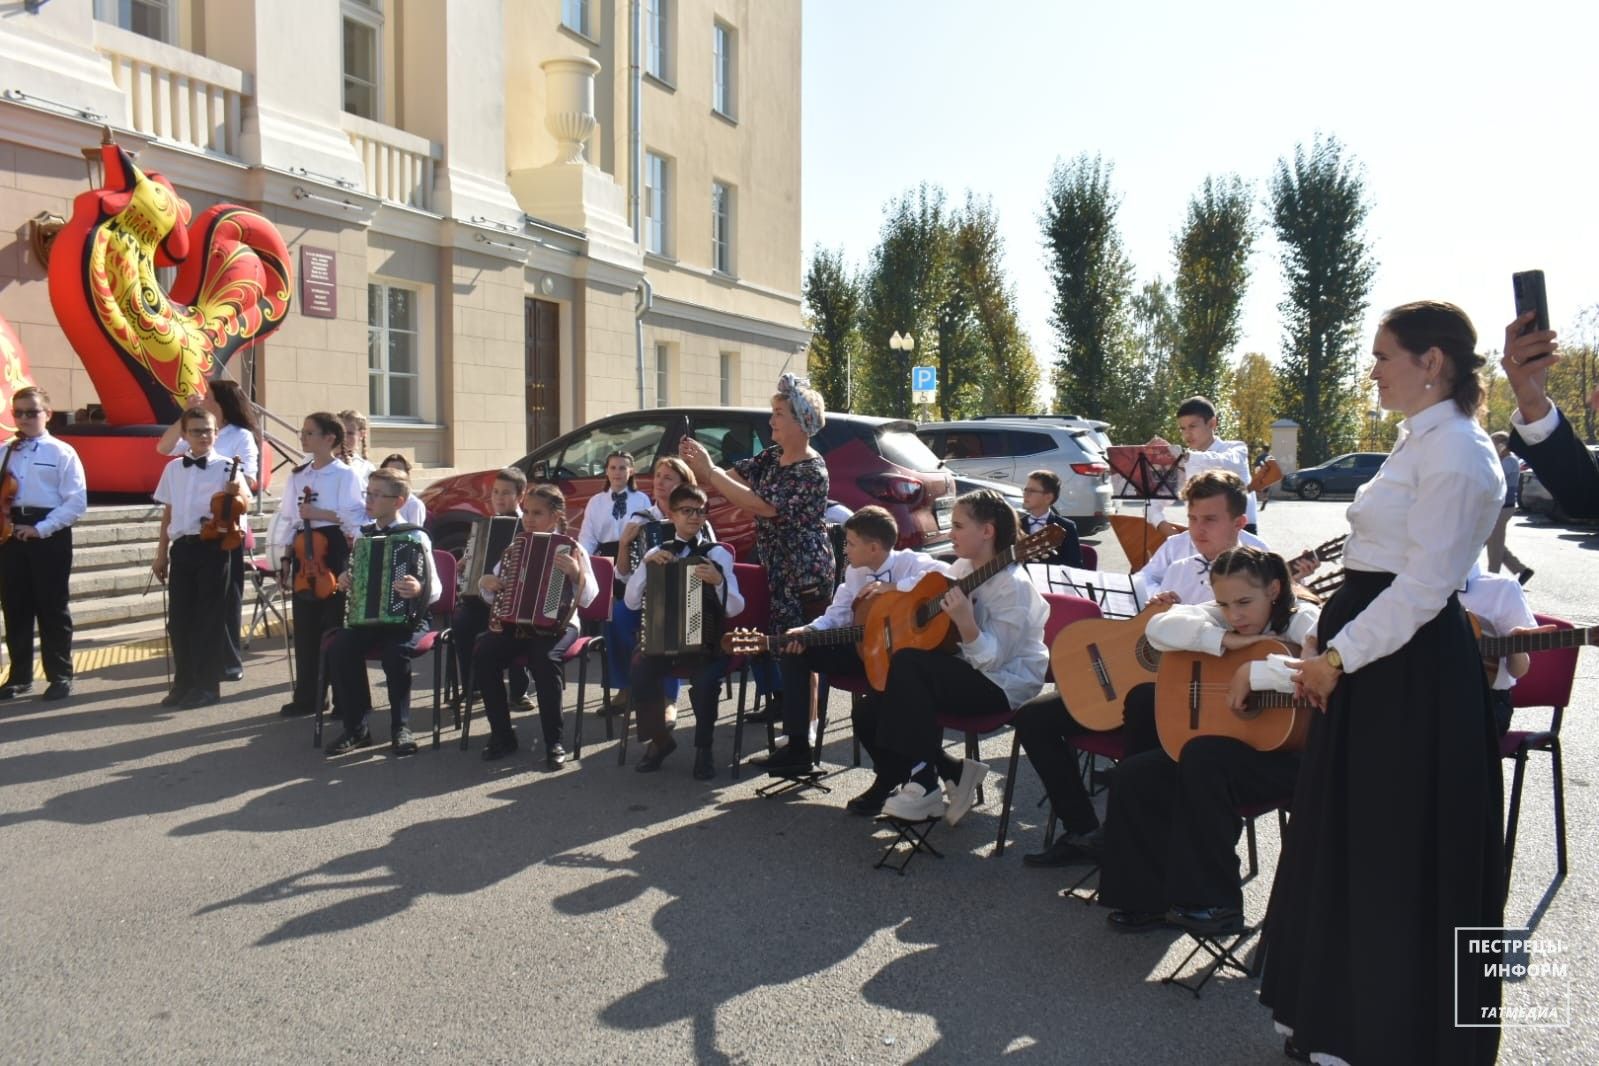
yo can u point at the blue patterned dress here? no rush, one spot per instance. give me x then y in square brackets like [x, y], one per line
[792, 545]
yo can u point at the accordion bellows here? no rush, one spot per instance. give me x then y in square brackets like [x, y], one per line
[533, 593]
[377, 561]
[674, 609]
[485, 544]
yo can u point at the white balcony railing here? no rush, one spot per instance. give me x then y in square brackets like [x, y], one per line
[175, 95]
[399, 166]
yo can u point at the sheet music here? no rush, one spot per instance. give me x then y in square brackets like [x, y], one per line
[1118, 595]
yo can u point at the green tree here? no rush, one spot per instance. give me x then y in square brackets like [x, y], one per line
[1319, 208]
[1008, 378]
[1212, 254]
[1147, 387]
[833, 301]
[1093, 281]
[903, 291]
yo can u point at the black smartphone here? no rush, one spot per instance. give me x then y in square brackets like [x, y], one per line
[1530, 296]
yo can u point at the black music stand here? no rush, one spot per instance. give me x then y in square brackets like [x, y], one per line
[1147, 472]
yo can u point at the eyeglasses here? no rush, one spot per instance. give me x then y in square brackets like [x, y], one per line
[689, 512]
[26, 412]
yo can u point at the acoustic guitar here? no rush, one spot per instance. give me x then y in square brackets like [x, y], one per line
[1097, 661]
[754, 642]
[1140, 538]
[1191, 701]
[916, 618]
[1496, 649]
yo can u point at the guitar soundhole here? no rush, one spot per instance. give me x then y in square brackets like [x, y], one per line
[1146, 655]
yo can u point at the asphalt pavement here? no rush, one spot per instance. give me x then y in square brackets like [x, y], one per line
[203, 886]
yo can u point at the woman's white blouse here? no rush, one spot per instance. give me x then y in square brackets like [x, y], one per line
[1424, 518]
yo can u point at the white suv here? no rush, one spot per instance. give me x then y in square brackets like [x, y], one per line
[1008, 451]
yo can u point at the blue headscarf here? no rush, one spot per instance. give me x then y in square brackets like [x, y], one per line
[798, 392]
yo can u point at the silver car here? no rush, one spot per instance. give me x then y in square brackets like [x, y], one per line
[1007, 451]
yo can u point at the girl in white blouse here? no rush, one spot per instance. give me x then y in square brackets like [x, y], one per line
[1168, 852]
[998, 665]
[1397, 825]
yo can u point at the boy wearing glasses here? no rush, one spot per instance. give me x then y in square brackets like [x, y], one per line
[37, 561]
[197, 568]
[1038, 503]
[650, 672]
[387, 490]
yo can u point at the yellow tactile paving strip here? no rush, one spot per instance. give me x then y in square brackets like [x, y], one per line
[89, 660]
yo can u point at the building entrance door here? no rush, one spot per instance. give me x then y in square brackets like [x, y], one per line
[543, 372]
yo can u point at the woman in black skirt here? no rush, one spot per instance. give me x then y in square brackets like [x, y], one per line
[1396, 836]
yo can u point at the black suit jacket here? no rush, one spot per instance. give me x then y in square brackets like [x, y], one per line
[1070, 552]
[1566, 469]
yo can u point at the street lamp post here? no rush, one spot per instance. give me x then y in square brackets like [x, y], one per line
[903, 343]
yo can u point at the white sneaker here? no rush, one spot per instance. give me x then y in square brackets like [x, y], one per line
[911, 802]
[965, 790]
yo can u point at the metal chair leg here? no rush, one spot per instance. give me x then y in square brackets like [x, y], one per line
[1515, 814]
[1560, 806]
[582, 690]
[1010, 792]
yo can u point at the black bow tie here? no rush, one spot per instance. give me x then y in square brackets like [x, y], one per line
[883, 575]
[1204, 565]
[189, 460]
[618, 504]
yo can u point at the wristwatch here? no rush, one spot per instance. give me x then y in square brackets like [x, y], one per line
[1335, 660]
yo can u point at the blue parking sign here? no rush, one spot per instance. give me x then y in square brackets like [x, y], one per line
[924, 378]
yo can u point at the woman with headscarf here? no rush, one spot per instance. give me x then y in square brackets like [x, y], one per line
[785, 488]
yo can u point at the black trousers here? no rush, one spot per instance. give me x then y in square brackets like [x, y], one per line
[470, 621]
[493, 654]
[233, 611]
[33, 588]
[197, 577]
[312, 619]
[1171, 831]
[347, 667]
[649, 676]
[899, 726]
[1045, 727]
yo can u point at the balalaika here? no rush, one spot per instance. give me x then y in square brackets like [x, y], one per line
[682, 614]
[377, 561]
[486, 542]
[533, 593]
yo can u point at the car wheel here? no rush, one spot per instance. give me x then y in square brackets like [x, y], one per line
[1310, 490]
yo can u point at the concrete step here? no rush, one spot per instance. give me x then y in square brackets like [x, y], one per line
[123, 606]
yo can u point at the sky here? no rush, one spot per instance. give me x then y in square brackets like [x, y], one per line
[1474, 125]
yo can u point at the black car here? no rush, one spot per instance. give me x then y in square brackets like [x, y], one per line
[1340, 475]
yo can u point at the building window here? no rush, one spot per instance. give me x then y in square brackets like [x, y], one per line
[148, 18]
[663, 375]
[722, 69]
[657, 202]
[575, 16]
[363, 29]
[657, 60]
[392, 351]
[722, 227]
[729, 371]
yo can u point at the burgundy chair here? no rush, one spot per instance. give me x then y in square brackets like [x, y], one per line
[1547, 683]
[1090, 557]
[435, 641]
[579, 650]
[1063, 611]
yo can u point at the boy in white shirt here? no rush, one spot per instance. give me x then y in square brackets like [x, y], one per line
[1500, 607]
[1216, 508]
[649, 673]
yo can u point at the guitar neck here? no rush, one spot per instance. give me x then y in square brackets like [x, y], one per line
[1270, 700]
[844, 635]
[1499, 647]
[999, 562]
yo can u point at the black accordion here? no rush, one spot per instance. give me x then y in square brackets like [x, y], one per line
[377, 561]
[683, 616]
[485, 543]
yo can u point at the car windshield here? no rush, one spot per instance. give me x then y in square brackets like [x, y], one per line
[900, 446]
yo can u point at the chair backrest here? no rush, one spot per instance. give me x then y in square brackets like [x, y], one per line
[444, 565]
[605, 574]
[1063, 611]
[1090, 557]
[757, 612]
[1548, 680]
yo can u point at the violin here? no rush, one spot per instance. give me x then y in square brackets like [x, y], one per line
[227, 508]
[312, 573]
[9, 487]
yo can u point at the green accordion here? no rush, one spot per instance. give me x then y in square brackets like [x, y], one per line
[377, 561]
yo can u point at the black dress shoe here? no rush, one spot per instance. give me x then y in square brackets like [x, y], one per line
[704, 765]
[1294, 1051]
[792, 758]
[200, 697]
[293, 710]
[656, 754]
[1136, 921]
[1067, 851]
[555, 757]
[770, 711]
[869, 804]
[499, 747]
[233, 673]
[8, 691]
[58, 690]
[1207, 921]
[175, 697]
